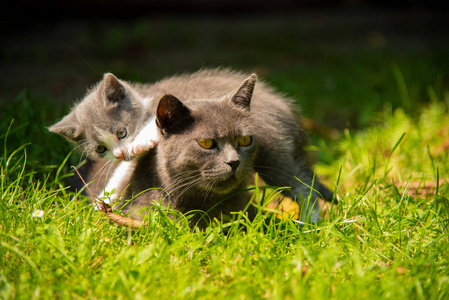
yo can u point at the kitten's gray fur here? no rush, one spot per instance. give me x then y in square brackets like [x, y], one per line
[215, 104]
[109, 107]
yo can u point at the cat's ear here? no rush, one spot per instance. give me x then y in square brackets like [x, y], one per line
[242, 98]
[68, 128]
[112, 91]
[172, 116]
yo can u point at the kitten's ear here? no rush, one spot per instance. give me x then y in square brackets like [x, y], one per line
[68, 128]
[242, 97]
[112, 90]
[172, 116]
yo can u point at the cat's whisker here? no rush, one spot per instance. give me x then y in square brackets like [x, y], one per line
[264, 169]
[177, 180]
[274, 181]
[208, 190]
[181, 178]
[106, 168]
[82, 157]
[178, 189]
[185, 182]
[84, 144]
[186, 175]
[102, 169]
[185, 188]
[87, 146]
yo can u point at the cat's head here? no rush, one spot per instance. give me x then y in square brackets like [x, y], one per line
[107, 118]
[206, 145]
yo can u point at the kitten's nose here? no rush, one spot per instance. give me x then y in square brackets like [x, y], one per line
[233, 164]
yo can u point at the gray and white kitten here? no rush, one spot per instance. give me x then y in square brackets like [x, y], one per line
[115, 121]
[213, 133]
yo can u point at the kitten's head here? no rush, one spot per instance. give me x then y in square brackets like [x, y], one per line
[107, 118]
[207, 145]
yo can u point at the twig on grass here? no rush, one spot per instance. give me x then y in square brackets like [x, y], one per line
[107, 210]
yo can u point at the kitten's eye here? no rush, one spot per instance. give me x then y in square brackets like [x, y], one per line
[121, 133]
[101, 149]
[245, 141]
[206, 143]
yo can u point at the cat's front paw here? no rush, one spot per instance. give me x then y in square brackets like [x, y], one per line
[139, 147]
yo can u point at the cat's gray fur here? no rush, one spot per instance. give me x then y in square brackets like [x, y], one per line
[108, 107]
[216, 105]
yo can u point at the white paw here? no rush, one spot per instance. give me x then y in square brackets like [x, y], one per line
[138, 147]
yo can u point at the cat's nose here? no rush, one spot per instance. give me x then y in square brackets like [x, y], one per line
[233, 164]
[231, 156]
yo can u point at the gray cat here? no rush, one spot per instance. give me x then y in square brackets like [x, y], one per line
[208, 142]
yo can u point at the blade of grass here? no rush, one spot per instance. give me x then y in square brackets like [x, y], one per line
[390, 155]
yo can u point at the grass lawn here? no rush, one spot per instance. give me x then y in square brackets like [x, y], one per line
[387, 238]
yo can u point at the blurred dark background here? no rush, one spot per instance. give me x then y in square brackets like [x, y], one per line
[342, 60]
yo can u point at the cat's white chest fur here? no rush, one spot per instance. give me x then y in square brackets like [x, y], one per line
[120, 176]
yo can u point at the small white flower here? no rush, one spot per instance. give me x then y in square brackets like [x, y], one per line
[38, 213]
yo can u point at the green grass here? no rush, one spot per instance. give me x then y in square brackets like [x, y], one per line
[387, 239]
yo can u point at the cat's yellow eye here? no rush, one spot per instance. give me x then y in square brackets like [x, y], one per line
[245, 141]
[121, 133]
[101, 149]
[206, 143]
